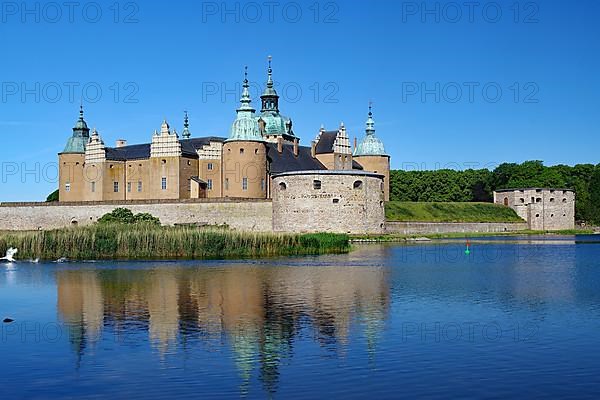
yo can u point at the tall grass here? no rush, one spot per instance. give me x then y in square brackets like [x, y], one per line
[118, 241]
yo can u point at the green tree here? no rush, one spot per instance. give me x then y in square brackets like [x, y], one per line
[52, 197]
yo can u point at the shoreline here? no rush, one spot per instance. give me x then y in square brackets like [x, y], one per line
[425, 237]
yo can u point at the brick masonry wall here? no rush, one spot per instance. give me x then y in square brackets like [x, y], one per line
[242, 215]
[416, 228]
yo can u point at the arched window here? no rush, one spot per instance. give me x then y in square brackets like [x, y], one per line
[506, 201]
[564, 200]
[241, 151]
[282, 186]
[358, 184]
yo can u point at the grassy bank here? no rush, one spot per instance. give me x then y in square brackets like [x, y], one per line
[112, 241]
[449, 212]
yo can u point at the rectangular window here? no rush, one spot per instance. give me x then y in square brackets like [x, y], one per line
[244, 183]
[210, 166]
[163, 183]
[209, 184]
[262, 184]
[116, 187]
[189, 185]
[93, 187]
[139, 186]
[128, 187]
[226, 183]
[68, 186]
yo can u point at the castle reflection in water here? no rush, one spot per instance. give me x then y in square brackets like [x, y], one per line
[259, 311]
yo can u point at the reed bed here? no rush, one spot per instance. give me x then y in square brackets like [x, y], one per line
[126, 242]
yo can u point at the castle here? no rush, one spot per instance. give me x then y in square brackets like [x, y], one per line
[542, 208]
[259, 148]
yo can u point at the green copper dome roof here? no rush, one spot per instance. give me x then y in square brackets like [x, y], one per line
[80, 138]
[371, 145]
[245, 127]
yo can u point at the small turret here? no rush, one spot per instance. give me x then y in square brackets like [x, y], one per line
[186, 134]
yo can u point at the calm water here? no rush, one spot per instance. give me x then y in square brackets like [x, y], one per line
[515, 318]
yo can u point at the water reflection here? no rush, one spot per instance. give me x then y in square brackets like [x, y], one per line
[257, 311]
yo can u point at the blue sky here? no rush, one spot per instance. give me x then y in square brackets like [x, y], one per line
[453, 85]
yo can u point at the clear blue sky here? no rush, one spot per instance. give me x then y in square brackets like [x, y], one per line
[172, 57]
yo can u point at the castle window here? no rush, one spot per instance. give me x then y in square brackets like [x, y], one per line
[537, 215]
[336, 201]
[244, 183]
[128, 187]
[93, 187]
[139, 186]
[241, 151]
[381, 204]
[538, 200]
[209, 166]
[111, 166]
[163, 183]
[316, 184]
[255, 151]
[358, 184]
[282, 186]
[226, 184]
[262, 184]
[564, 200]
[164, 161]
[68, 187]
[552, 200]
[209, 184]
[564, 215]
[116, 187]
[189, 162]
[522, 200]
[551, 215]
[506, 201]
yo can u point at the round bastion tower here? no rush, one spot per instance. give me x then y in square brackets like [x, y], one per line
[370, 153]
[71, 162]
[245, 153]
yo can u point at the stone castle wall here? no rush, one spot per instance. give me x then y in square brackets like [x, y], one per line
[328, 201]
[248, 215]
[425, 228]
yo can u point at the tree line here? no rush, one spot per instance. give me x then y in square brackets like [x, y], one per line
[478, 185]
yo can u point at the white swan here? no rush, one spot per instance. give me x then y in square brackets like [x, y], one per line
[10, 254]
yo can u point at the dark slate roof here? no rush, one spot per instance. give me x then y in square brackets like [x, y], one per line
[134, 152]
[287, 161]
[356, 165]
[142, 151]
[325, 143]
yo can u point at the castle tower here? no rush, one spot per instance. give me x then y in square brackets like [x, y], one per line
[272, 124]
[71, 161]
[370, 153]
[245, 153]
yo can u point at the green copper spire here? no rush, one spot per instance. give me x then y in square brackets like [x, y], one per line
[245, 126]
[81, 135]
[186, 134]
[371, 145]
[270, 98]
